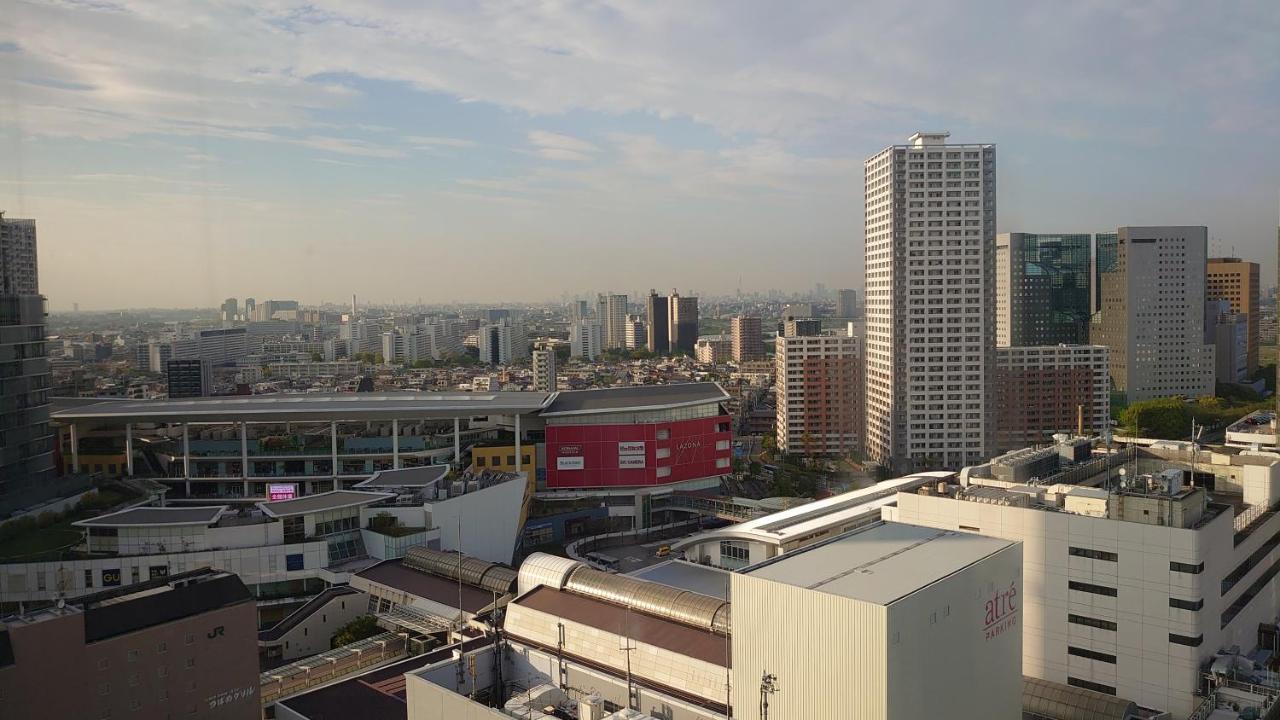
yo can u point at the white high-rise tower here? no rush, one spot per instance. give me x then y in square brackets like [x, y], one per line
[930, 337]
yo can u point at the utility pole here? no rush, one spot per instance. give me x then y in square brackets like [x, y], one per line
[768, 686]
[627, 647]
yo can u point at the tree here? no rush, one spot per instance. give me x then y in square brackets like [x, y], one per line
[317, 357]
[365, 626]
[1166, 418]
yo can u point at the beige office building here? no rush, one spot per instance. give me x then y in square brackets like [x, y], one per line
[1152, 291]
[1238, 282]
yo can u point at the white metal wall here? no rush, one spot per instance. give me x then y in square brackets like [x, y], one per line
[828, 652]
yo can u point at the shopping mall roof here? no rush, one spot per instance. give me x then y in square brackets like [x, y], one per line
[881, 563]
[446, 591]
[414, 477]
[309, 407]
[332, 500]
[156, 517]
[637, 398]
[638, 626]
[818, 516]
[702, 579]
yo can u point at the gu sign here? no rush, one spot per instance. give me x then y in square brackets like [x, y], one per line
[630, 461]
[569, 450]
[1001, 612]
[631, 448]
[281, 491]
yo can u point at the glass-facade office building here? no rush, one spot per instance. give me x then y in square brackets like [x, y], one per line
[1043, 289]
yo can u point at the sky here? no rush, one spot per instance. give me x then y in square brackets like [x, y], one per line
[177, 153]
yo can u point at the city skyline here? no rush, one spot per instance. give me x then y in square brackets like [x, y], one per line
[228, 143]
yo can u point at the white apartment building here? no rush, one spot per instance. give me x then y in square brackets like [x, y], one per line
[930, 323]
[1131, 592]
[1152, 288]
[544, 370]
[612, 314]
[586, 339]
[819, 388]
[636, 332]
[502, 343]
[225, 346]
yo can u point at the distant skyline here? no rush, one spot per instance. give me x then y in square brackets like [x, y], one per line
[175, 154]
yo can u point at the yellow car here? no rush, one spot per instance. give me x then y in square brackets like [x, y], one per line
[664, 551]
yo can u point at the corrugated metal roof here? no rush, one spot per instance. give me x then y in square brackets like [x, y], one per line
[880, 563]
[311, 406]
[1065, 702]
[634, 398]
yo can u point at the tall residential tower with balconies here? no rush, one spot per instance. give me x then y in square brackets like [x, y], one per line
[930, 240]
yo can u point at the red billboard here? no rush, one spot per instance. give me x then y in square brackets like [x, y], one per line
[590, 456]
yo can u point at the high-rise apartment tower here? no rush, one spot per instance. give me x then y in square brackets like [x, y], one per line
[930, 240]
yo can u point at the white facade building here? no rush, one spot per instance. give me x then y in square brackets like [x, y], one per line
[819, 388]
[502, 343]
[1152, 287]
[636, 332]
[1132, 593]
[585, 339]
[930, 238]
[612, 314]
[544, 370]
[892, 621]
[225, 346]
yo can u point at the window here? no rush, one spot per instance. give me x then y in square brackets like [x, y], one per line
[511, 460]
[1186, 568]
[295, 529]
[732, 550]
[103, 664]
[1091, 588]
[479, 461]
[133, 574]
[1094, 554]
[104, 688]
[162, 648]
[722, 462]
[88, 578]
[1185, 640]
[134, 655]
[190, 639]
[663, 434]
[1088, 685]
[1091, 654]
[1186, 604]
[191, 663]
[1091, 622]
[524, 459]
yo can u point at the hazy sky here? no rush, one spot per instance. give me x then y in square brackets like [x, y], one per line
[177, 153]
